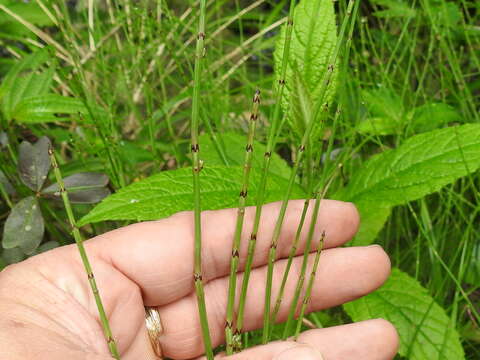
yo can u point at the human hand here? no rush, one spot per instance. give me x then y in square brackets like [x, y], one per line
[48, 311]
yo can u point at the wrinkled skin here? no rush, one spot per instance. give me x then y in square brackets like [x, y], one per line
[48, 311]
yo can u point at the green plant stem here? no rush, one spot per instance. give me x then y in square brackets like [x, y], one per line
[83, 254]
[311, 281]
[196, 168]
[298, 158]
[272, 136]
[306, 253]
[239, 225]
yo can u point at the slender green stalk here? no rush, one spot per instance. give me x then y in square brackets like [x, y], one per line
[311, 281]
[5, 196]
[306, 253]
[272, 136]
[298, 158]
[196, 168]
[291, 255]
[83, 254]
[231, 340]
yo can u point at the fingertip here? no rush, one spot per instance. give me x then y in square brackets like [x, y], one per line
[389, 335]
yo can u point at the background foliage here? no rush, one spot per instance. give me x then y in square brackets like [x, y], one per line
[110, 87]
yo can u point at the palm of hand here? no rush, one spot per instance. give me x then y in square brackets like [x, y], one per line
[52, 314]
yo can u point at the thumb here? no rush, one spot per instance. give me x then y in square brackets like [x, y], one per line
[301, 352]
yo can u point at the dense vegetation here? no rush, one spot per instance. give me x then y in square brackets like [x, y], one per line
[110, 85]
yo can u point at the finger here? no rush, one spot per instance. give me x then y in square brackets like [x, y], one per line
[158, 256]
[343, 275]
[367, 340]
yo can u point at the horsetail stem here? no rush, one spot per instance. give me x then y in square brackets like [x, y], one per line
[298, 158]
[83, 254]
[196, 168]
[231, 340]
[272, 137]
[291, 255]
[313, 221]
[311, 281]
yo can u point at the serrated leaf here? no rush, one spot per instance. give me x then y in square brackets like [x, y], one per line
[34, 163]
[47, 108]
[422, 165]
[169, 192]
[425, 330]
[24, 227]
[394, 8]
[83, 188]
[235, 153]
[313, 41]
[373, 217]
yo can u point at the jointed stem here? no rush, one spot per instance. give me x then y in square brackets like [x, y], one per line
[239, 225]
[311, 281]
[298, 158]
[272, 136]
[306, 253]
[196, 168]
[83, 254]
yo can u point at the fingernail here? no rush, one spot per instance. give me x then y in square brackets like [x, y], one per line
[301, 352]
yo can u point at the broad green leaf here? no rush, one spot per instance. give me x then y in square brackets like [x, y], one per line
[420, 166]
[394, 8]
[426, 332]
[169, 192]
[83, 188]
[235, 153]
[23, 81]
[29, 11]
[47, 108]
[24, 227]
[373, 218]
[378, 126]
[12, 256]
[313, 41]
[384, 103]
[431, 116]
[34, 163]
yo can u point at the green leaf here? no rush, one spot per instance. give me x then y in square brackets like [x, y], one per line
[29, 11]
[426, 332]
[48, 108]
[420, 166]
[23, 81]
[34, 163]
[378, 126]
[394, 8]
[373, 217]
[313, 41]
[301, 104]
[169, 192]
[235, 153]
[431, 116]
[24, 227]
